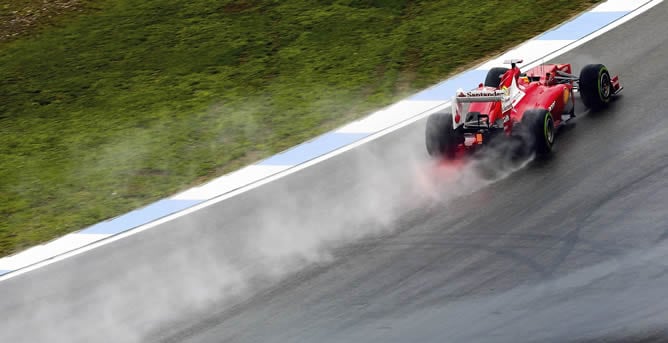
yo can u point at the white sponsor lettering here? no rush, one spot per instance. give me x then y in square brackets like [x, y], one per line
[474, 93]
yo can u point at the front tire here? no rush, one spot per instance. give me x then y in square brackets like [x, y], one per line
[440, 138]
[595, 86]
[539, 131]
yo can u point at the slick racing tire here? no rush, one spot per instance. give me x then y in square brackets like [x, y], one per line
[595, 86]
[441, 140]
[493, 78]
[538, 131]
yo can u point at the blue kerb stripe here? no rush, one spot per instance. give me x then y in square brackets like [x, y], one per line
[141, 216]
[3, 272]
[312, 149]
[582, 25]
[445, 90]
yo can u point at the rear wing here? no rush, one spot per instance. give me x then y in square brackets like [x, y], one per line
[477, 95]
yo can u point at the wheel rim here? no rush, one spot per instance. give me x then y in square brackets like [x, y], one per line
[549, 129]
[606, 87]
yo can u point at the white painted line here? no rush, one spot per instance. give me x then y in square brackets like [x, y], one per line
[41, 252]
[642, 9]
[388, 116]
[409, 119]
[618, 5]
[230, 182]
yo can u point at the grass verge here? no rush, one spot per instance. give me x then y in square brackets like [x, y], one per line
[132, 101]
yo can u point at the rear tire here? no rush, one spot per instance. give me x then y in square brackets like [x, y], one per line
[441, 140]
[595, 86]
[538, 131]
[493, 78]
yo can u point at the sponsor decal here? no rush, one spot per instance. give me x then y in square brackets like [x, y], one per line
[515, 93]
[506, 106]
[475, 93]
[552, 106]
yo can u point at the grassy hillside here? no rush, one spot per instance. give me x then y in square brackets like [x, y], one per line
[131, 101]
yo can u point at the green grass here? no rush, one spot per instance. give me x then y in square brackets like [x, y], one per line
[109, 110]
[19, 18]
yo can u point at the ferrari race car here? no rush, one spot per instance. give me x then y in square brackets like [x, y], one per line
[529, 106]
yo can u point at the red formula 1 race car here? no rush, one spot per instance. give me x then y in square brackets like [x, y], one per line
[530, 106]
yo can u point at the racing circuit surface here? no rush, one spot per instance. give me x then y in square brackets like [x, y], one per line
[366, 247]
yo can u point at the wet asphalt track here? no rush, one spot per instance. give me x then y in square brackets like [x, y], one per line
[569, 249]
